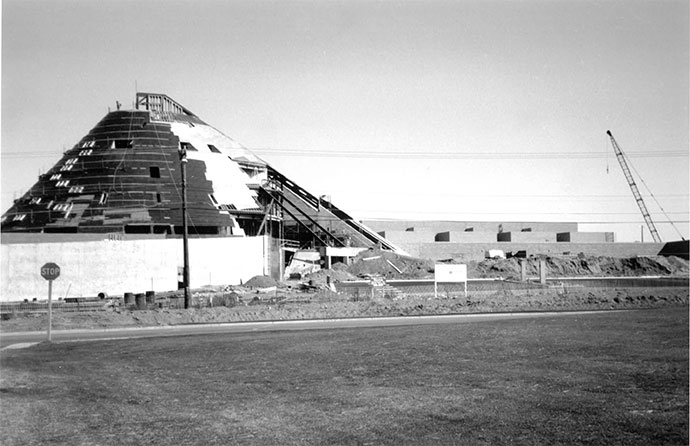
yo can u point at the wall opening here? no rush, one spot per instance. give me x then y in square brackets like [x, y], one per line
[187, 146]
[137, 229]
[162, 229]
[122, 144]
[197, 230]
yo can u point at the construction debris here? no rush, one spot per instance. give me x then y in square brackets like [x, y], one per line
[394, 266]
[581, 266]
[390, 265]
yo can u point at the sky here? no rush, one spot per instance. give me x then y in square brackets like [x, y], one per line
[445, 110]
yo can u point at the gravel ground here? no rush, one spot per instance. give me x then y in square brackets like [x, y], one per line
[294, 305]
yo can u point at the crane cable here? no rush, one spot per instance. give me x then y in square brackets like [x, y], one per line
[651, 194]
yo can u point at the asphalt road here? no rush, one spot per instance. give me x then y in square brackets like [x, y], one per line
[24, 339]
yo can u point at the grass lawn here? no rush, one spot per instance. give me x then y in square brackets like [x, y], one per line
[610, 378]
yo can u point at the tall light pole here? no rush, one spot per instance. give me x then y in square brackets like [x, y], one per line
[185, 241]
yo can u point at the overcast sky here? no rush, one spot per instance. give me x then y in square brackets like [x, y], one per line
[456, 110]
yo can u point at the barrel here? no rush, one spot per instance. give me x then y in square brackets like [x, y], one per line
[129, 298]
[141, 300]
[150, 297]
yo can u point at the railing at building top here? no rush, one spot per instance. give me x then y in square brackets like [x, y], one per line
[160, 103]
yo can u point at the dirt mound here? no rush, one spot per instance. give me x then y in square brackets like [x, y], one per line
[260, 282]
[506, 268]
[391, 265]
[339, 266]
[581, 266]
[337, 275]
[394, 266]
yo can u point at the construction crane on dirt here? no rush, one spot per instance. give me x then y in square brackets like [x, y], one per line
[633, 187]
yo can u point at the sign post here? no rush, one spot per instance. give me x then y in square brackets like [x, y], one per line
[50, 271]
[445, 273]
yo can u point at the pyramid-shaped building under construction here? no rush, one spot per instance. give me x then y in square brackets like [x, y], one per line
[124, 177]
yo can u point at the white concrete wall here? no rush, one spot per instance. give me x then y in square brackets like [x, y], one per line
[116, 267]
[225, 261]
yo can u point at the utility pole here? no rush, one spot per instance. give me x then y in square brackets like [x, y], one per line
[185, 241]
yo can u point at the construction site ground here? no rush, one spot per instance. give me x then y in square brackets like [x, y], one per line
[311, 297]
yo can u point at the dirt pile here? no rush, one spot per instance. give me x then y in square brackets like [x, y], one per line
[394, 266]
[320, 278]
[581, 266]
[390, 265]
[260, 282]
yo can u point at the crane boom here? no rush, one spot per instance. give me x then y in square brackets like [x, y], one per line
[633, 187]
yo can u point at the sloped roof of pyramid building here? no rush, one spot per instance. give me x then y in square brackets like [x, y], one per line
[124, 176]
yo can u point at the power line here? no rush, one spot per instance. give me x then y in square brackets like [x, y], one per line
[508, 213]
[335, 192]
[579, 222]
[338, 153]
[465, 212]
[470, 217]
[461, 155]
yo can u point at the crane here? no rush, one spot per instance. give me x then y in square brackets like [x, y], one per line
[633, 187]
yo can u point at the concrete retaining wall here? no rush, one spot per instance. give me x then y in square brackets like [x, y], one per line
[116, 267]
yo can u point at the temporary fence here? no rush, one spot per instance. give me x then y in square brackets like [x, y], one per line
[365, 289]
[60, 305]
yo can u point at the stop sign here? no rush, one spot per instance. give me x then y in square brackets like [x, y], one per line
[50, 271]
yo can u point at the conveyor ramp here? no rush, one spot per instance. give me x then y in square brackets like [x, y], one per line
[301, 198]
